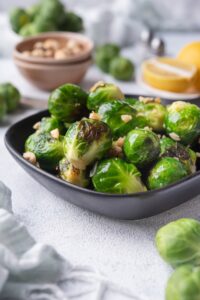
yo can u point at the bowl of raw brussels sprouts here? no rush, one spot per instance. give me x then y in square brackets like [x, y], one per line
[119, 155]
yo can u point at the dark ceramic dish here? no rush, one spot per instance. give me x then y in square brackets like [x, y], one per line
[128, 206]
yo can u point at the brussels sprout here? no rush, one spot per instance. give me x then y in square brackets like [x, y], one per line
[43, 25]
[11, 96]
[104, 55]
[182, 122]
[184, 284]
[178, 242]
[18, 18]
[67, 103]
[121, 68]
[71, 22]
[28, 30]
[117, 177]
[47, 124]
[3, 108]
[33, 11]
[166, 171]
[141, 147]
[120, 117]
[86, 141]
[101, 93]
[153, 112]
[71, 174]
[48, 150]
[170, 148]
[52, 12]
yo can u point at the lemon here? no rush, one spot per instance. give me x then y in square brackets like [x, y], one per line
[169, 74]
[191, 54]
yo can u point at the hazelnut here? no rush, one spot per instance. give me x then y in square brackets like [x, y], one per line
[30, 156]
[50, 43]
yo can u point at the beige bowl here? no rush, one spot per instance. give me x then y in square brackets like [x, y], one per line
[61, 37]
[49, 77]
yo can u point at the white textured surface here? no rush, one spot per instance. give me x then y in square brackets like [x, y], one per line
[124, 251]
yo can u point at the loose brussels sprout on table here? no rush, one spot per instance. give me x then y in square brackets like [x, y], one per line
[117, 177]
[182, 122]
[104, 55]
[121, 68]
[101, 93]
[11, 95]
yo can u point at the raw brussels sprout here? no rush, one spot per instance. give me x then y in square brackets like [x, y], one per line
[170, 148]
[166, 171]
[184, 284]
[120, 117]
[71, 174]
[48, 150]
[52, 11]
[18, 18]
[86, 141]
[178, 242]
[104, 55]
[71, 22]
[182, 122]
[153, 112]
[68, 103]
[33, 11]
[11, 96]
[141, 147]
[101, 93]
[47, 124]
[121, 68]
[3, 108]
[43, 25]
[117, 177]
[28, 30]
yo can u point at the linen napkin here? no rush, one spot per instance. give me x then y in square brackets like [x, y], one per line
[33, 271]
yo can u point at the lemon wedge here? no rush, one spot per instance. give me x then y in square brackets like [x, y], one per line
[169, 74]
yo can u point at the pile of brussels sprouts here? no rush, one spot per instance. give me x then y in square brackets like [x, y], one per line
[46, 15]
[109, 60]
[113, 144]
[179, 245]
[9, 99]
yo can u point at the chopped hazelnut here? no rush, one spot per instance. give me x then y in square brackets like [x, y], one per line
[120, 141]
[55, 133]
[30, 156]
[36, 126]
[126, 118]
[146, 100]
[174, 136]
[95, 116]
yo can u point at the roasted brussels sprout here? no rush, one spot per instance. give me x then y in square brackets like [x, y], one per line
[3, 108]
[184, 284]
[18, 18]
[71, 174]
[121, 117]
[141, 147]
[11, 96]
[154, 112]
[166, 171]
[170, 148]
[182, 122]
[47, 149]
[71, 22]
[68, 103]
[47, 124]
[86, 141]
[117, 176]
[101, 93]
[104, 55]
[178, 242]
[121, 68]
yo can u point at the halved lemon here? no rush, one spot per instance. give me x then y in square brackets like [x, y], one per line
[169, 74]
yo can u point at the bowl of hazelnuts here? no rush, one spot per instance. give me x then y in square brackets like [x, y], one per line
[51, 59]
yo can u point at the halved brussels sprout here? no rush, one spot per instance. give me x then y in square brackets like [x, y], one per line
[3, 108]
[48, 150]
[178, 242]
[182, 122]
[118, 177]
[141, 147]
[18, 18]
[166, 171]
[86, 141]
[104, 55]
[101, 93]
[11, 96]
[47, 124]
[68, 103]
[71, 174]
[121, 117]
[170, 148]
[184, 284]
[121, 68]
[154, 113]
